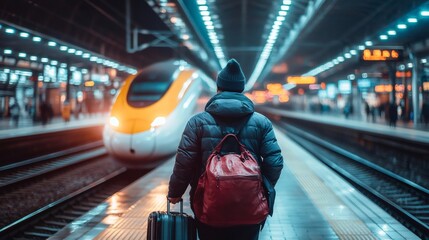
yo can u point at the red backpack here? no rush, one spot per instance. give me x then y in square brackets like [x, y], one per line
[230, 191]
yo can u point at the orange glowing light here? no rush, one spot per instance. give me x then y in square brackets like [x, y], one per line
[388, 88]
[426, 86]
[283, 98]
[403, 74]
[89, 83]
[275, 88]
[383, 88]
[301, 91]
[259, 97]
[323, 85]
[301, 79]
[382, 54]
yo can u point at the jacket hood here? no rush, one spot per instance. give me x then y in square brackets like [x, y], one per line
[230, 104]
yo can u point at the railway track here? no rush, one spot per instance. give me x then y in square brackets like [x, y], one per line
[46, 221]
[41, 195]
[26, 170]
[402, 198]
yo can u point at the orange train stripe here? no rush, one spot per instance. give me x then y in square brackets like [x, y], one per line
[134, 120]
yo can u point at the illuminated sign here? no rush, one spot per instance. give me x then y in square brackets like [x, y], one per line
[388, 88]
[364, 83]
[382, 54]
[89, 83]
[406, 74]
[301, 79]
[331, 90]
[345, 86]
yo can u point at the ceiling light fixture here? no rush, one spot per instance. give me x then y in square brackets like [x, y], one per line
[210, 21]
[24, 34]
[390, 32]
[270, 42]
[52, 43]
[10, 30]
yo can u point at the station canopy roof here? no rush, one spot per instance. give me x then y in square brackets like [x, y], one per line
[307, 34]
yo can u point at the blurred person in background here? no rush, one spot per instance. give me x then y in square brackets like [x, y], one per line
[14, 110]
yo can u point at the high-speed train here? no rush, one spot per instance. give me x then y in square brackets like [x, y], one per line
[151, 110]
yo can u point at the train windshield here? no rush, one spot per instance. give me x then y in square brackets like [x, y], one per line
[151, 84]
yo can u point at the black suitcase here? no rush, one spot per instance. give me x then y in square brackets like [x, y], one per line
[171, 225]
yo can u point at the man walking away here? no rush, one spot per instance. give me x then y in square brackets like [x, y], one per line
[229, 111]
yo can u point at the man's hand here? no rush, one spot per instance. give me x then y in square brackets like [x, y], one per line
[174, 200]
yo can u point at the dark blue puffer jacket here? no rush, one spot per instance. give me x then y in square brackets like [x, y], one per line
[202, 134]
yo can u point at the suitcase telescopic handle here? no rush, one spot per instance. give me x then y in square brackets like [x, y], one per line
[168, 206]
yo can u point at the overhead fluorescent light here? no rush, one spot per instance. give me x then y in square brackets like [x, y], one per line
[24, 34]
[391, 32]
[402, 26]
[37, 39]
[10, 30]
[424, 13]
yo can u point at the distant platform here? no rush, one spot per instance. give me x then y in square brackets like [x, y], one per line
[408, 133]
[27, 127]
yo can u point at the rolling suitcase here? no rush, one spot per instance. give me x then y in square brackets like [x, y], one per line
[171, 225]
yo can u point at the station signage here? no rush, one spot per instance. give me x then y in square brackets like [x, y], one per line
[345, 86]
[301, 79]
[406, 74]
[382, 54]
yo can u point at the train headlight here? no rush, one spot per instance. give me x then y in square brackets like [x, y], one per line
[159, 121]
[114, 121]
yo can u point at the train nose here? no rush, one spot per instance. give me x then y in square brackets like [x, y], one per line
[132, 147]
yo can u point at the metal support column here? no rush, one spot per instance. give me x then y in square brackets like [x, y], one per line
[392, 76]
[36, 102]
[415, 88]
[128, 25]
[68, 82]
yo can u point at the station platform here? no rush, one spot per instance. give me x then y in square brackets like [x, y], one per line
[312, 203]
[405, 131]
[27, 126]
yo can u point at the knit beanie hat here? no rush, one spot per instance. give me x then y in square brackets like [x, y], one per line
[231, 78]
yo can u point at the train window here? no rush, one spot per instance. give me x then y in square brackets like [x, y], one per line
[150, 85]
